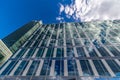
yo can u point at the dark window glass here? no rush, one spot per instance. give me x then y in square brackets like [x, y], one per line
[86, 42]
[114, 66]
[62, 52]
[52, 43]
[54, 34]
[77, 42]
[57, 67]
[62, 68]
[114, 50]
[44, 43]
[11, 65]
[80, 51]
[36, 43]
[23, 67]
[48, 68]
[49, 52]
[103, 51]
[20, 68]
[30, 53]
[100, 68]
[48, 35]
[29, 43]
[76, 68]
[34, 36]
[91, 51]
[59, 52]
[61, 34]
[71, 70]
[41, 36]
[40, 52]
[70, 52]
[87, 71]
[20, 53]
[45, 67]
[68, 42]
[60, 42]
[33, 68]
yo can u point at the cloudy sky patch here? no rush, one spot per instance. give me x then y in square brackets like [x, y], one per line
[87, 10]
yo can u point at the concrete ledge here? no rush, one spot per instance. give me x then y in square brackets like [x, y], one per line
[4, 52]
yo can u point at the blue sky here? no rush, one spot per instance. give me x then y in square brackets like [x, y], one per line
[15, 13]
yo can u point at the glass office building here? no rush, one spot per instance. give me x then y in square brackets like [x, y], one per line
[65, 51]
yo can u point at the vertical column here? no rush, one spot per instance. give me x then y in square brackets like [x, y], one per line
[14, 69]
[44, 54]
[42, 39]
[30, 62]
[31, 45]
[27, 68]
[65, 54]
[26, 53]
[87, 54]
[36, 51]
[99, 55]
[75, 53]
[116, 60]
[16, 53]
[5, 66]
[52, 68]
[111, 54]
[38, 45]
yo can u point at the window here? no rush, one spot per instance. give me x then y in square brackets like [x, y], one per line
[114, 50]
[45, 67]
[49, 52]
[20, 68]
[33, 68]
[80, 51]
[87, 71]
[113, 65]
[40, 52]
[5, 72]
[100, 68]
[71, 70]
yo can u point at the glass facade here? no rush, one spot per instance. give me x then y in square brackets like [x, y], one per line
[68, 51]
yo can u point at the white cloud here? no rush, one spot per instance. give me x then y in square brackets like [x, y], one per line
[87, 10]
[107, 9]
[67, 9]
[59, 18]
[61, 8]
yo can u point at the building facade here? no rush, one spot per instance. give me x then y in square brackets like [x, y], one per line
[65, 51]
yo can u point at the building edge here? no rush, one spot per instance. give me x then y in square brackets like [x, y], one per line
[20, 40]
[5, 52]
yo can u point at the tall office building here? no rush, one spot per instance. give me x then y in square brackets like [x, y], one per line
[65, 51]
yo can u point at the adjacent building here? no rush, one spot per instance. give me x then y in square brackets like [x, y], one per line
[65, 51]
